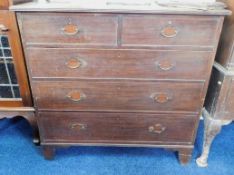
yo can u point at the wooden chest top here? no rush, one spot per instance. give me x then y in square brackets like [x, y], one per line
[109, 6]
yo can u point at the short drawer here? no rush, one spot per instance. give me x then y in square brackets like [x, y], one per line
[118, 128]
[168, 30]
[68, 29]
[137, 64]
[101, 95]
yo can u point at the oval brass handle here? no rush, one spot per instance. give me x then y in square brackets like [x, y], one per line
[70, 29]
[157, 128]
[73, 63]
[76, 96]
[166, 65]
[79, 126]
[3, 28]
[169, 32]
[161, 98]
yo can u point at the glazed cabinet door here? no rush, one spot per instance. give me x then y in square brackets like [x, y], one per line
[14, 90]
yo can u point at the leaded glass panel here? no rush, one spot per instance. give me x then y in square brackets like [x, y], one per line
[9, 87]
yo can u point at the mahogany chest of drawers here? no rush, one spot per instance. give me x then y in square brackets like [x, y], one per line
[123, 78]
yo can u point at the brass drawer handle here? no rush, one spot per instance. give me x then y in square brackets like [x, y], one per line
[3, 28]
[76, 96]
[161, 98]
[165, 65]
[157, 128]
[79, 126]
[74, 63]
[169, 32]
[70, 29]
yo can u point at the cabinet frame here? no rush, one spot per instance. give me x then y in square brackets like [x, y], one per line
[8, 19]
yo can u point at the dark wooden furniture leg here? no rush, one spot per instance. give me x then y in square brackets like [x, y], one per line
[185, 155]
[212, 128]
[48, 152]
[26, 112]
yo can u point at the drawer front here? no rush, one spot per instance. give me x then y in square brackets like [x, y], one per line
[170, 30]
[90, 63]
[119, 128]
[68, 29]
[118, 95]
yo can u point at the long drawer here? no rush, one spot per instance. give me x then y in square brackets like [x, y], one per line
[98, 63]
[69, 29]
[101, 95]
[142, 30]
[118, 128]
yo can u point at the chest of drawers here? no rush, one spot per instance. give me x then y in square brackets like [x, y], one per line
[123, 78]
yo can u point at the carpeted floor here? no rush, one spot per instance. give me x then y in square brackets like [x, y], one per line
[19, 156]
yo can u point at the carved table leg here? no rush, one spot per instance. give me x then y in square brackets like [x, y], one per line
[212, 128]
[48, 152]
[185, 155]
